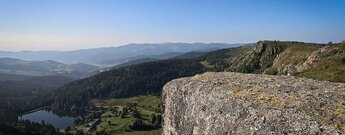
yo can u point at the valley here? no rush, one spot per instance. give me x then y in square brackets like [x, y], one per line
[172, 67]
[126, 99]
[26, 92]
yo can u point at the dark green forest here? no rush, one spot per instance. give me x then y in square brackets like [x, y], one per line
[19, 96]
[142, 79]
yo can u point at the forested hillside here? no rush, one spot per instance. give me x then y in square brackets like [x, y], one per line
[141, 79]
[13, 77]
[32, 86]
[134, 62]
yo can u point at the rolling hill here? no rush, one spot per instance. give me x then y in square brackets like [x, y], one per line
[134, 62]
[43, 68]
[32, 85]
[13, 77]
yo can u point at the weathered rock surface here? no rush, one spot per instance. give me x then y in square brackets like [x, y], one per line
[235, 103]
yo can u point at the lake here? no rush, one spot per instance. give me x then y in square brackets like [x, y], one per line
[49, 117]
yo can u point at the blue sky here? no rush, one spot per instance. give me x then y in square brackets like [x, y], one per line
[75, 24]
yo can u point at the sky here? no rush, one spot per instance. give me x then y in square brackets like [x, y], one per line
[77, 24]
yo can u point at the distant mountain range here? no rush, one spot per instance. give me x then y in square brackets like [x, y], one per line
[114, 55]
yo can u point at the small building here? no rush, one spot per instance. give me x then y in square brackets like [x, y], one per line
[92, 125]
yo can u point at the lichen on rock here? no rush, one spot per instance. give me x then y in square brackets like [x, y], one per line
[235, 103]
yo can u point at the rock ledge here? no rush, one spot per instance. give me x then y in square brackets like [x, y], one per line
[235, 103]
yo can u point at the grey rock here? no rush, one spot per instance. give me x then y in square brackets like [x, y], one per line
[251, 104]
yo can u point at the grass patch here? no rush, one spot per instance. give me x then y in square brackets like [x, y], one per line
[146, 102]
[271, 71]
[207, 65]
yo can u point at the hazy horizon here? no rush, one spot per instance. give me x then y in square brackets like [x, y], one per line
[40, 25]
[119, 45]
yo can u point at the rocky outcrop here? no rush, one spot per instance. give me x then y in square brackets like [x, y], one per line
[310, 59]
[253, 59]
[235, 103]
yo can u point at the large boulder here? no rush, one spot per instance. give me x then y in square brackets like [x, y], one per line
[235, 103]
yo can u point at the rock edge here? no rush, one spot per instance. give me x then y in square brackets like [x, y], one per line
[235, 103]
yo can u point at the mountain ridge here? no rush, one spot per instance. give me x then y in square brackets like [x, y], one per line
[97, 55]
[281, 58]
